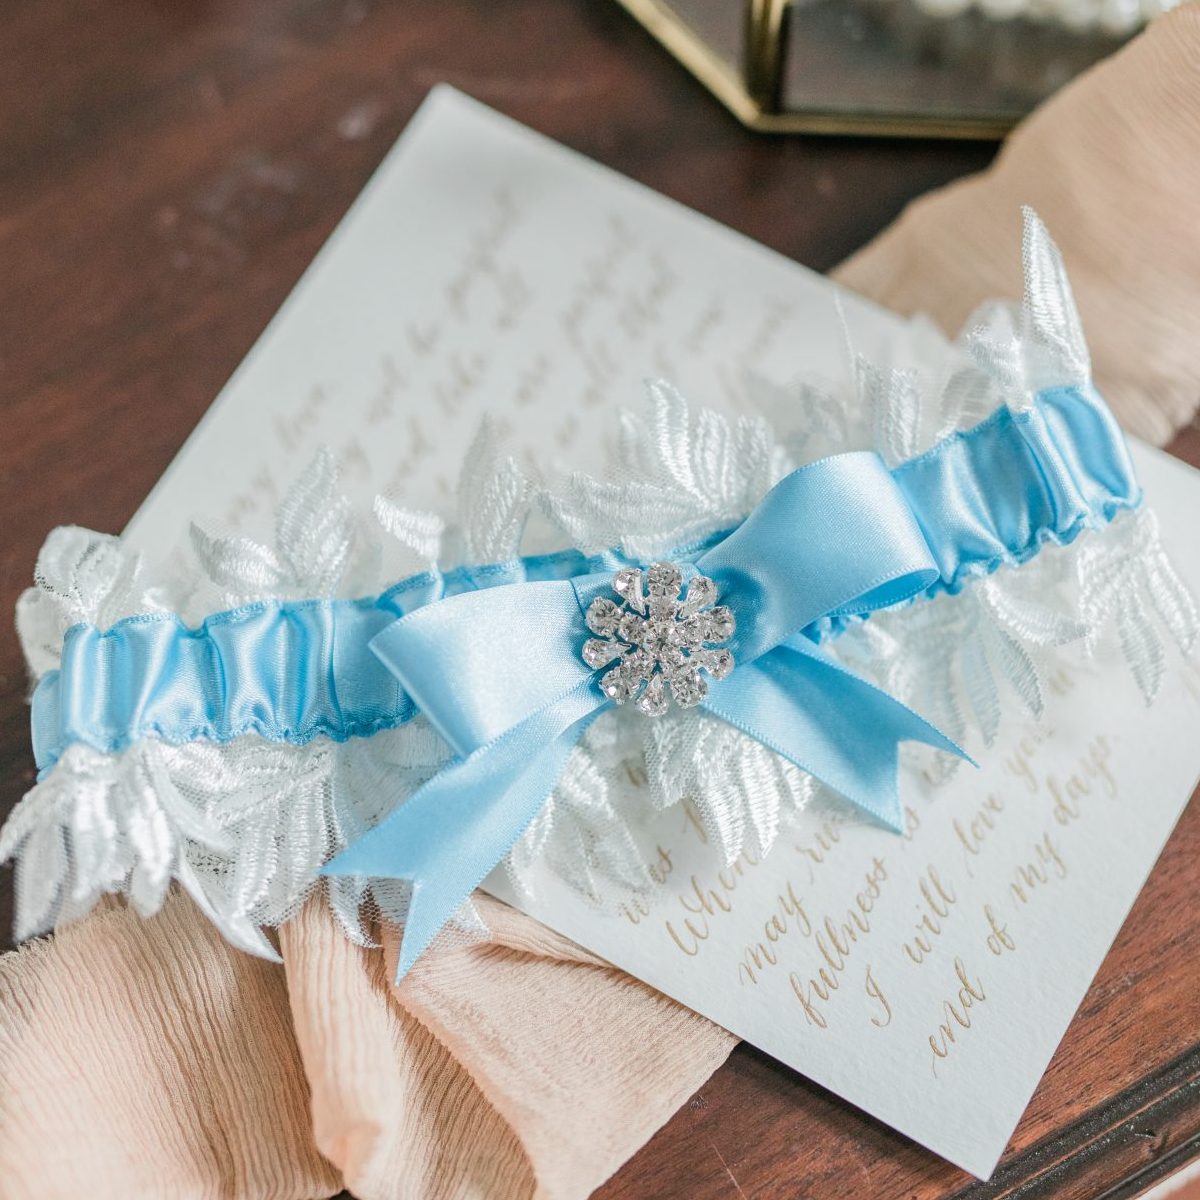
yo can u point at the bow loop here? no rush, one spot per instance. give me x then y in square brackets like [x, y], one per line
[479, 663]
[834, 538]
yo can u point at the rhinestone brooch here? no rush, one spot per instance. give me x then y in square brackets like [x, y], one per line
[659, 639]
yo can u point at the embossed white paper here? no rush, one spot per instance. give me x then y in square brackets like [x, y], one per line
[927, 978]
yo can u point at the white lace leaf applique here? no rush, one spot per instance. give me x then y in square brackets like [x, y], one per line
[979, 687]
[494, 500]
[893, 399]
[238, 565]
[680, 475]
[1017, 626]
[740, 790]
[41, 869]
[703, 454]
[968, 397]
[953, 659]
[102, 823]
[1169, 596]
[89, 575]
[493, 503]
[1143, 650]
[319, 547]
[1013, 658]
[80, 577]
[1013, 663]
[816, 419]
[1050, 303]
[1016, 351]
[315, 528]
[420, 532]
[999, 349]
[585, 831]
[1025, 606]
[1127, 579]
[888, 399]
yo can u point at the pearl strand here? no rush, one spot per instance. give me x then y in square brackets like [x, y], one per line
[1109, 16]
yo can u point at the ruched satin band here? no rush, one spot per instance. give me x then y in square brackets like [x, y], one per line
[286, 671]
[290, 671]
[994, 494]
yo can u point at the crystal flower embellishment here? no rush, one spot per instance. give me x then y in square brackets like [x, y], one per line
[661, 641]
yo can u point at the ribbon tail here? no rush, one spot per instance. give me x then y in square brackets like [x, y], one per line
[451, 832]
[839, 728]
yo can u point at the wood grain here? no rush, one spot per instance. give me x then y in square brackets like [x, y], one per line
[167, 171]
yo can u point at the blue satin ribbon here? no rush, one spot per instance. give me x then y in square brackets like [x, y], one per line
[491, 653]
[288, 672]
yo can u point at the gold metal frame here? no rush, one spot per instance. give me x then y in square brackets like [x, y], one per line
[754, 94]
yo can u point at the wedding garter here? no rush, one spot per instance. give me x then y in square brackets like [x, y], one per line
[755, 611]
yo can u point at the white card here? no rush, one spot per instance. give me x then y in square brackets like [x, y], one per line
[485, 270]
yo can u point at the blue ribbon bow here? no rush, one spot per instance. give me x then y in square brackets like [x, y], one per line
[498, 673]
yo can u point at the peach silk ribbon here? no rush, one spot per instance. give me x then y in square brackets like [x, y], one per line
[148, 1059]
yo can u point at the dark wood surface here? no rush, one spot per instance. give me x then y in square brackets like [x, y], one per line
[168, 169]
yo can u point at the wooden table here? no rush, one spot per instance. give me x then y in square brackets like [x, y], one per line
[167, 170]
